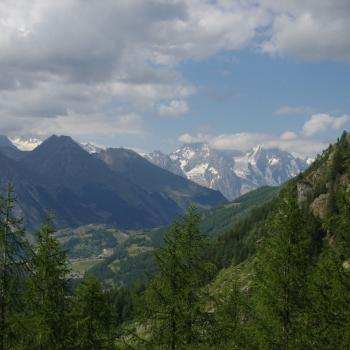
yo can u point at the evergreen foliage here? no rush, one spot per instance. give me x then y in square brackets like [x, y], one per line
[92, 317]
[280, 289]
[13, 265]
[177, 310]
[288, 264]
[45, 295]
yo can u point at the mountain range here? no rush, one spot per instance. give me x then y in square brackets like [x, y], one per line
[233, 173]
[116, 186]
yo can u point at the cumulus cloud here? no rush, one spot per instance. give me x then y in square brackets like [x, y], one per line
[298, 143]
[322, 122]
[83, 59]
[79, 59]
[309, 29]
[289, 135]
[173, 109]
[75, 124]
[289, 141]
[188, 138]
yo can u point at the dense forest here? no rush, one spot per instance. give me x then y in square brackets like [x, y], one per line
[278, 279]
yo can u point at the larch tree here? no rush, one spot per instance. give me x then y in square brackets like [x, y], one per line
[281, 268]
[13, 264]
[92, 317]
[176, 309]
[46, 294]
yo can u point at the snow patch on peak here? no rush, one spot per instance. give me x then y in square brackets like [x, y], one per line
[274, 161]
[26, 144]
[232, 172]
[92, 147]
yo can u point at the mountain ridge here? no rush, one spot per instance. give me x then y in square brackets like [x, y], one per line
[82, 189]
[231, 172]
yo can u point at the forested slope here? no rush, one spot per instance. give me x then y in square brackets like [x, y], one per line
[278, 279]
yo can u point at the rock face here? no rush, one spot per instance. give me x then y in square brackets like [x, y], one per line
[303, 190]
[319, 206]
[318, 187]
[233, 173]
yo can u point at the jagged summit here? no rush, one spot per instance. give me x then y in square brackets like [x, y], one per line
[91, 147]
[231, 172]
[122, 189]
[58, 141]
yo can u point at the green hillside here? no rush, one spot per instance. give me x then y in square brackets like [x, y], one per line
[269, 271]
[132, 260]
[123, 257]
[283, 278]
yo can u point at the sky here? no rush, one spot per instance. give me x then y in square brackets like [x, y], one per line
[152, 74]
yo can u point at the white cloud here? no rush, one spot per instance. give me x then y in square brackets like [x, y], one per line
[173, 109]
[289, 141]
[309, 29]
[321, 122]
[77, 125]
[80, 59]
[301, 144]
[187, 138]
[289, 135]
[77, 57]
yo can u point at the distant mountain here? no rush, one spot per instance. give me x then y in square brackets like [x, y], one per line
[26, 144]
[83, 189]
[233, 173]
[5, 142]
[91, 147]
[156, 180]
[9, 149]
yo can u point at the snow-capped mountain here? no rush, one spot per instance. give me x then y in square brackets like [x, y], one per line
[91, 147]
[233, 173]
[26, 144]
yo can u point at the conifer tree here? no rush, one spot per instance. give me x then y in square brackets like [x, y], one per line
[176, 308]
[92, 315]
[13, 264]
[330, 283]
[280, 289]
[232, 313]
[45, 295]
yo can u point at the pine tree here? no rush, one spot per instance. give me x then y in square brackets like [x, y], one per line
[92, 315]
[280, 289]
[175, 303]
[13, 264]
[45, 295]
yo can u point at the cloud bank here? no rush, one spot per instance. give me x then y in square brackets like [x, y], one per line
[100, 66]
[300, 144]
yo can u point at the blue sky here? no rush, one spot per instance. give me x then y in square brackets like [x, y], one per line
[251, 92]
[152, 74]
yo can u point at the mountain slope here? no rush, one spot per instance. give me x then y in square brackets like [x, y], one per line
[9, 149]
[82, 189]
[132, 260]
[233, 173]
[5, 142]
[318, 191]
[131, 165]
[237, 227]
